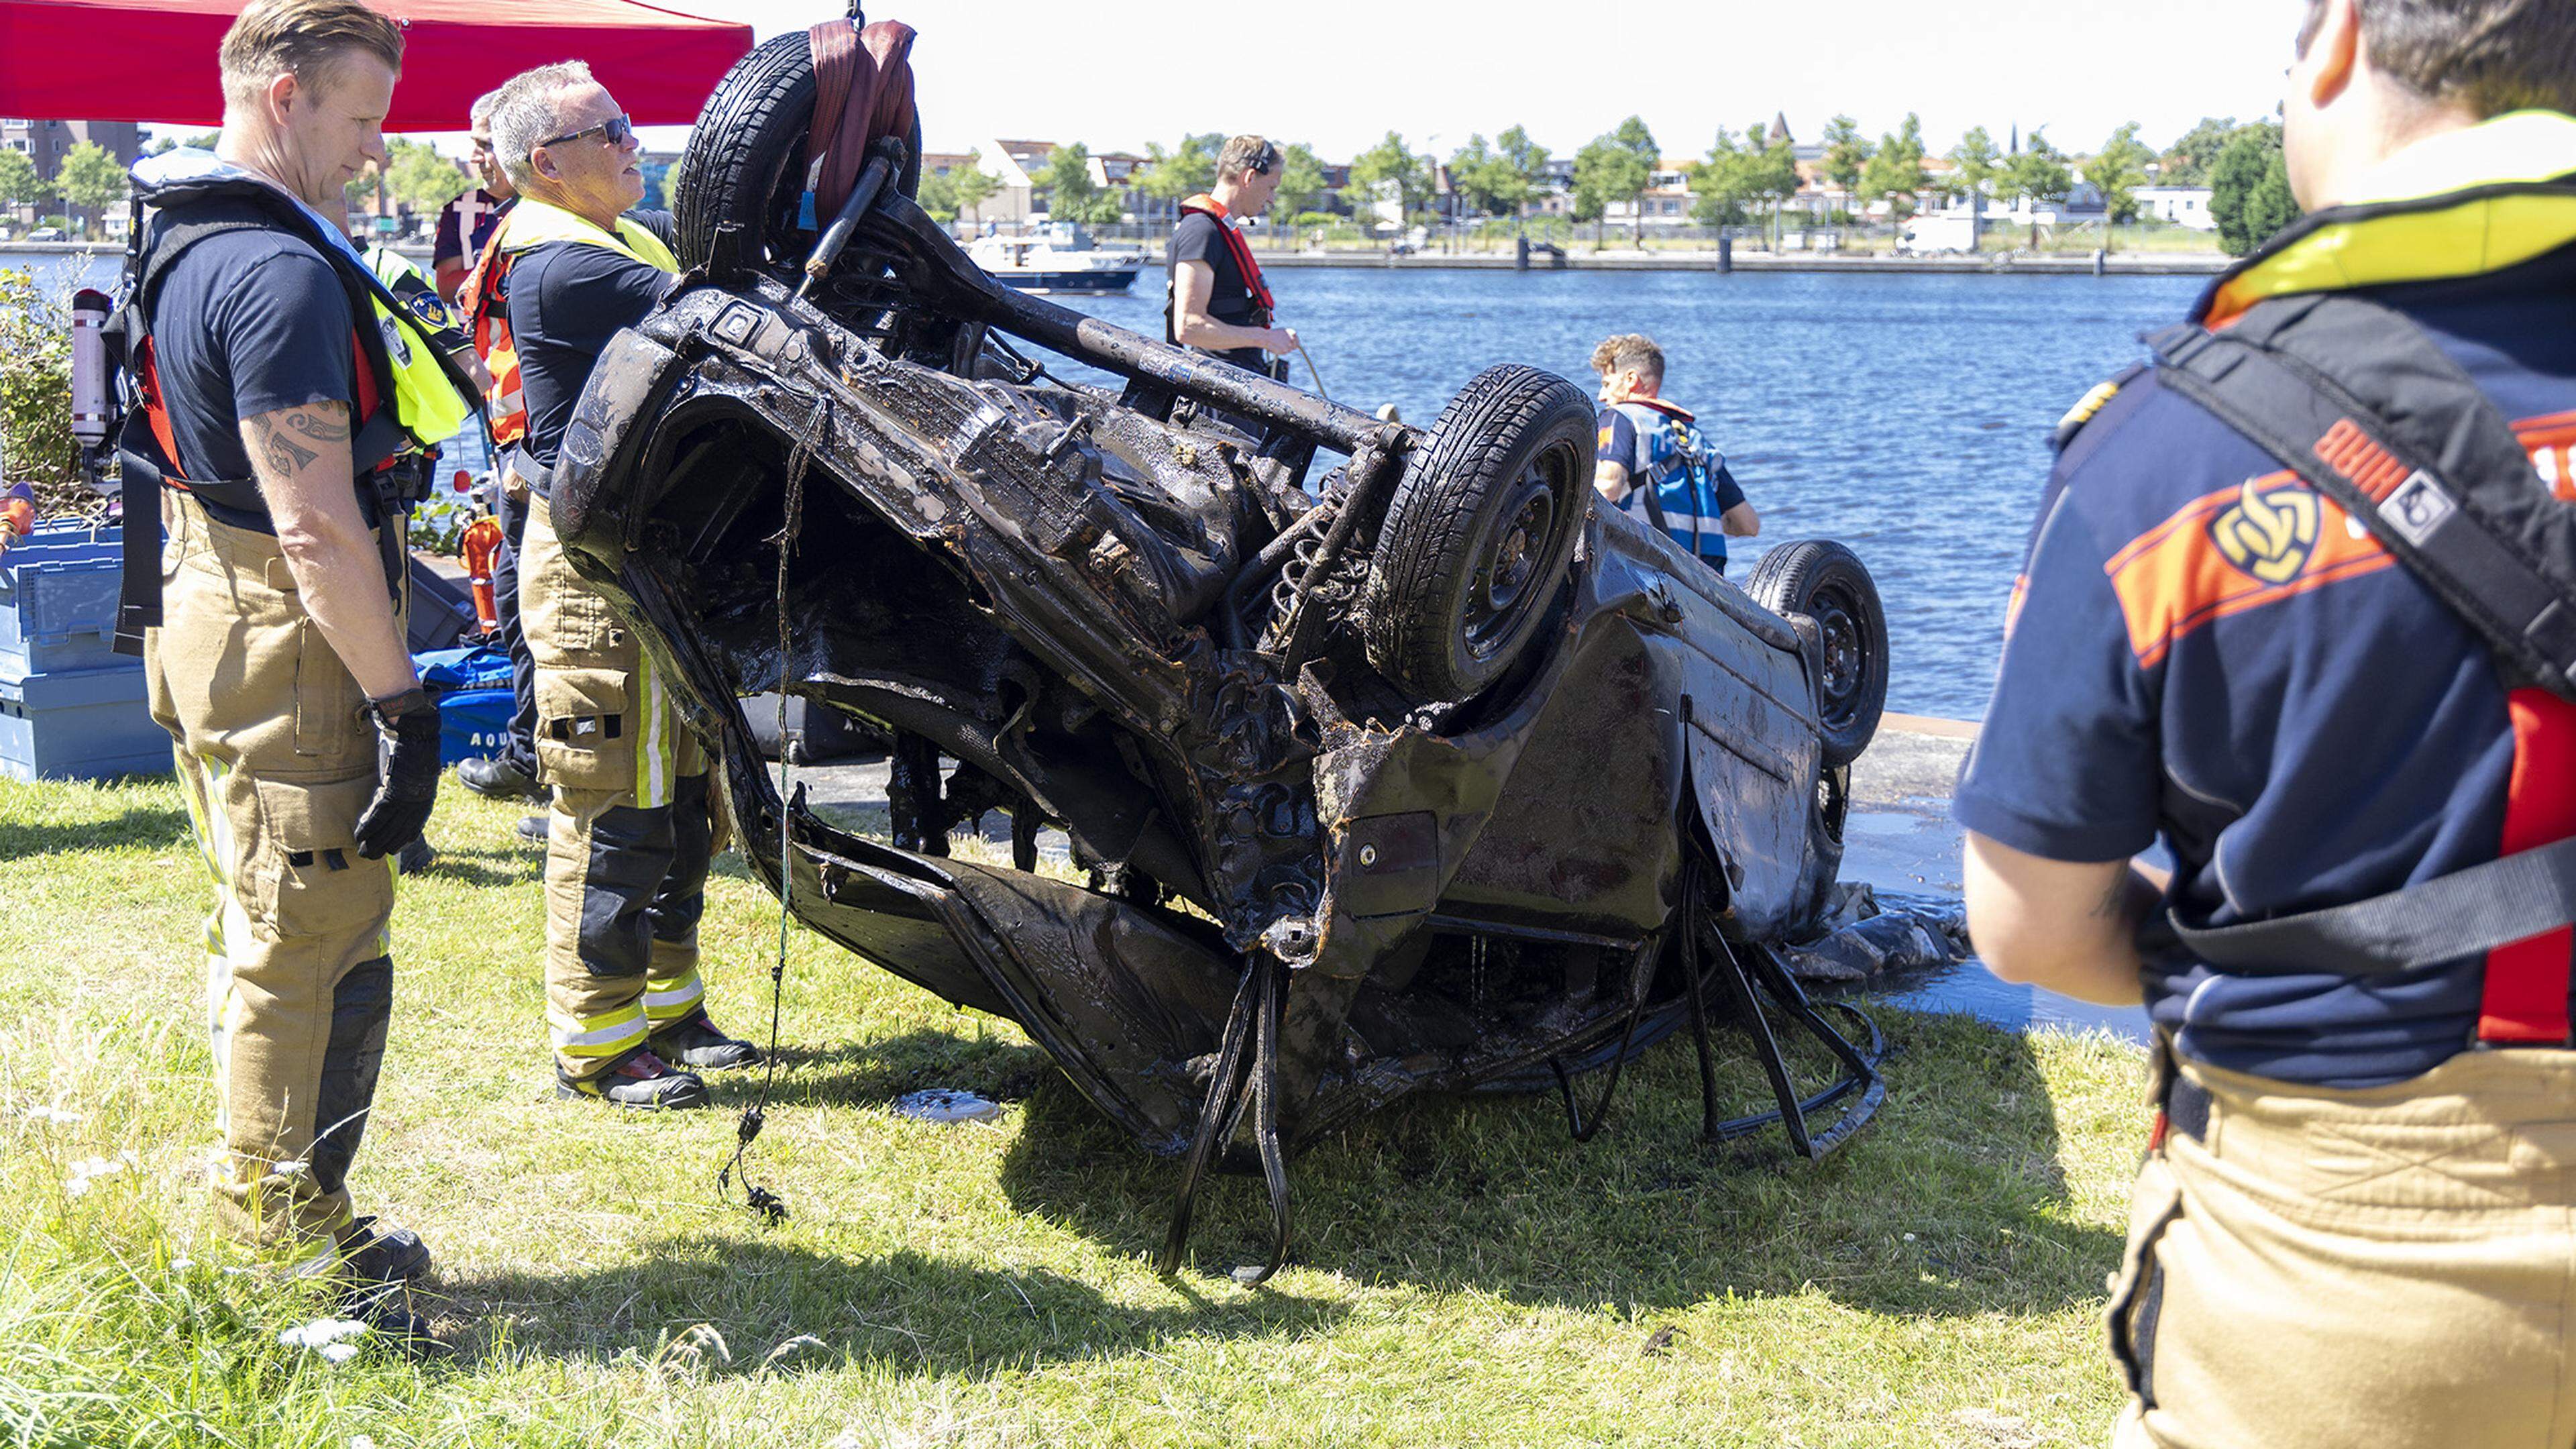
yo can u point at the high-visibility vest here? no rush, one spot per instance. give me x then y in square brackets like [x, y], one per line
[528, 224]
[487, 325]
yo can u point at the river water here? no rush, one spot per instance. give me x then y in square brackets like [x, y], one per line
[1905, 415]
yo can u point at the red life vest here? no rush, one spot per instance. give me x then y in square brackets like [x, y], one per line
[157, 414]
[1237, 248]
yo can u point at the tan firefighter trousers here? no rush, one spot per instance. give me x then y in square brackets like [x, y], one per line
[277, 763]
[631, 829]
[2392, 1267]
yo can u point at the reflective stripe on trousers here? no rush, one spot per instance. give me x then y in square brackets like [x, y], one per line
[630, 832]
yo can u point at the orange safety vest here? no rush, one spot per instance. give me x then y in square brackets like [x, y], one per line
[487, 314]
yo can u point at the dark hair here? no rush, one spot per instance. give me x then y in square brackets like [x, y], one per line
[2492, 55]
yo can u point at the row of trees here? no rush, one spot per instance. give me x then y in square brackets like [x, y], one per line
[1746, 178]
[88, 182]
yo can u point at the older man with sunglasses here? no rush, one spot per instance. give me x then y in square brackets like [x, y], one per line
[631, 827]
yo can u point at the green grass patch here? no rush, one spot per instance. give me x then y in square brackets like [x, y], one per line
[1465, 1275]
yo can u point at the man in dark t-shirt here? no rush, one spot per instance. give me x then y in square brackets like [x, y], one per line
[303, 743]
[1217, 301]
[2352, 1223]
[631, 829]
[266, 326]
[566, 300]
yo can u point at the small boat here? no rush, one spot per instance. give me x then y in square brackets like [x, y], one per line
[1058, 257]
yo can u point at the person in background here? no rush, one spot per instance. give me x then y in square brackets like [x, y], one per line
[1217, 301]
[512, 773]
[2355, 1219]
[466, 222]
[1654, 461]
[632, 825]
[277, 397]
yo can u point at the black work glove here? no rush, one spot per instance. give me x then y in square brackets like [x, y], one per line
[407, 769]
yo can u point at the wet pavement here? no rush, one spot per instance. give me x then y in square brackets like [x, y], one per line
[1898, 838]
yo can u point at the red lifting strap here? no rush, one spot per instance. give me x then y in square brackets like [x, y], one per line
[862, 90]
[1237, 248]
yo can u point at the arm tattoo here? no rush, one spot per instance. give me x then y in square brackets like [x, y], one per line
[324, 426]
[320, 427]
[281, 453]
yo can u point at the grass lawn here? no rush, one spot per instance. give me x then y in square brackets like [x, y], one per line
[1465, 1275]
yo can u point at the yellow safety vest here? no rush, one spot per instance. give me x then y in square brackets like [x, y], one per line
[425, 402]
[533, 223]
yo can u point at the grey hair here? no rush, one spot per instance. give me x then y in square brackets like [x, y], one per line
[525, 114]
[479, 114]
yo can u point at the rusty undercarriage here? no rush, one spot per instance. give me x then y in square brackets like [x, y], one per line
[1416, 773]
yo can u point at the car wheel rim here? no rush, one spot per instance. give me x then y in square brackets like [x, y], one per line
[1503, 585]
[1837, 617]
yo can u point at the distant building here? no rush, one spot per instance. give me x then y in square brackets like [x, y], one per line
[1021, 167]
[47, 142]
[1017, 165]
[2180, 205]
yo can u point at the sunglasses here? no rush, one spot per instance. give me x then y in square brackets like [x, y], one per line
[616, 131]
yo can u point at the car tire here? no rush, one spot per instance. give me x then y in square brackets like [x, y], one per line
[740, 186]
[1478, 535]
[1827, 583]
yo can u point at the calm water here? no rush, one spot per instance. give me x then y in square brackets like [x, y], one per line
[1903, 415]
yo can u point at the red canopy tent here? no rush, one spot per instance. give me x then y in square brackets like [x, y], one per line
[154, 60]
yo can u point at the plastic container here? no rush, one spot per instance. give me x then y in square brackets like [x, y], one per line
[58, 590]
[81, 724]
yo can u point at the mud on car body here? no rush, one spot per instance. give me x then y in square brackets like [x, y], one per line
[1415, 773]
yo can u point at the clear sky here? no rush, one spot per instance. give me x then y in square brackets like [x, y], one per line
[1339, 74]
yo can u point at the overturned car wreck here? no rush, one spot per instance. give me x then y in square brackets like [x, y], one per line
[1414, 773]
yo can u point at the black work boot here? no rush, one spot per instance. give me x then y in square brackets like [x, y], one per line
[639, 1080]
[416, 857]
[694, 1041]
[499, 779]
[535, 828]
[375, 1272]
[382, 1255]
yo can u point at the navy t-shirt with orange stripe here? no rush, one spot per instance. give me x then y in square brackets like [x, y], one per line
[2206, 651]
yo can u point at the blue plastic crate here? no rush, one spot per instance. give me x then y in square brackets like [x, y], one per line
[58, 590]
[79, 725]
